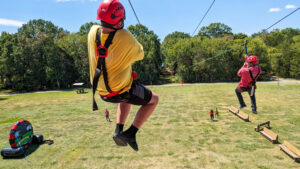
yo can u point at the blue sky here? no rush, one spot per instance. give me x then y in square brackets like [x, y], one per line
[161, 16]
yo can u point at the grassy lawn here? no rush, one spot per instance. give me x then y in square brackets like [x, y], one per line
[179, 134]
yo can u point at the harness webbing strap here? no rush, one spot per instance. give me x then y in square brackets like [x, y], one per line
[251, 75]
[101, 64]
[253, 81]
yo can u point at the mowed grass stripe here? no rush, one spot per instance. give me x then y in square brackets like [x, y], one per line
[179, 134]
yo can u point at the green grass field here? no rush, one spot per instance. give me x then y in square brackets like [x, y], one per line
[179, 134]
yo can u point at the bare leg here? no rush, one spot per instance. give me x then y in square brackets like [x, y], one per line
[145, 111]
[122, 113]
[128, 136]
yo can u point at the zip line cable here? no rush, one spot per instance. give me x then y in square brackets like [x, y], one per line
[204, 17]
[248, 40]
[140, 23]
[282, 19]
[134, 12]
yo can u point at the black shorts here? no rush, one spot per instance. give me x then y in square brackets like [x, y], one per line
[137, 95]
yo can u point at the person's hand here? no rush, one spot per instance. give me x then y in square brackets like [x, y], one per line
[246, 56]
[245, 64]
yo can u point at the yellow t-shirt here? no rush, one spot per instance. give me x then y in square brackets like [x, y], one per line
[122, 53]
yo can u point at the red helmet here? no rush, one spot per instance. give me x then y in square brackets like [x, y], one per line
[252, 59]
[111, 11]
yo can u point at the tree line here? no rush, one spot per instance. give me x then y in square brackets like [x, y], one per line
[44, 56]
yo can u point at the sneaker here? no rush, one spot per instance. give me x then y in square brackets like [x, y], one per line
[241, 106]
[130, 140]
[118, 140]
[254, 111]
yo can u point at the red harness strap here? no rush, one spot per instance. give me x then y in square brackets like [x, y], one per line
[134, 76]
[254, 79]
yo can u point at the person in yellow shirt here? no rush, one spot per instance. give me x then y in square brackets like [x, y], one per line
[112, 51]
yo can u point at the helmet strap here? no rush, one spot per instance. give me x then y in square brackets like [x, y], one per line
[107, 25]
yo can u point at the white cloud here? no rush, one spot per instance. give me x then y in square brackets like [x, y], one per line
[274, 9]
[8, 22]
[290, 6]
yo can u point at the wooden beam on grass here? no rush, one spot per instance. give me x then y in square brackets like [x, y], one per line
[269, 134]
[260, 126]
[290, 150]
[239, 113]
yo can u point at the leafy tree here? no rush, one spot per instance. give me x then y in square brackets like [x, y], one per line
[41, 56]
[74, 46]
[84, 29]
[274, 38]
[257, 47]
[295, 61]
[9, 57]
[282, 51]
[167, 46]
[240, 36]
[149, 68]
[199, 59]
[215, 30]
[183, 55]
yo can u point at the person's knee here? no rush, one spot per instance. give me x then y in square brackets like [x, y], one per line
[237, 90]
[154, 99]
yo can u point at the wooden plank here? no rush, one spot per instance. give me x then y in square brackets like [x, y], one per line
[234, 110]
[238, 113]
[288, 151]
[267, 136]
[244, 115]
[292, 148]
[271, 133]
[271, 136]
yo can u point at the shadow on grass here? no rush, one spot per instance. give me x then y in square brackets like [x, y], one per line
[9, 91]
[3, 99]
[82, 92]
[32, 148]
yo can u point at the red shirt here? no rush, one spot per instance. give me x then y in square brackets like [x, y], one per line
[211, 112]
[106, 112]
[245, 75]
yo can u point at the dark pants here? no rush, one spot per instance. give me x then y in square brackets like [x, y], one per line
[241, 100]
[137, 95]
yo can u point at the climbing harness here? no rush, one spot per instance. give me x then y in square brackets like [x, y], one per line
[102, 52]
[253, 82]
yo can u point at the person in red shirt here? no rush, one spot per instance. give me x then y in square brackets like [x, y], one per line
[211, 113]
[249, 73]
[107, 115]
